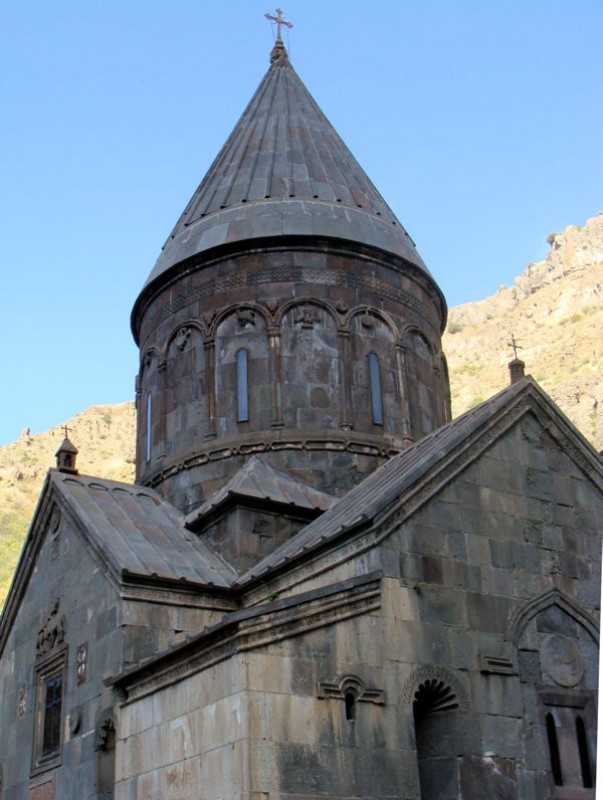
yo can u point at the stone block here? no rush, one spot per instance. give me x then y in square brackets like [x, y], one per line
[488, 776]
[487, 613]
[497, 694]
[496, 582]
[399, 602]
[501, 735]
[463, 647]
[402, 640]
[443, 605]
[439, 777]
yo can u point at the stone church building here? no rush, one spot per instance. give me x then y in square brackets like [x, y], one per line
[320, 586]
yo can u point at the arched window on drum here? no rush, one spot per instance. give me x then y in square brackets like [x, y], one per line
[375, 384]
[242, 385]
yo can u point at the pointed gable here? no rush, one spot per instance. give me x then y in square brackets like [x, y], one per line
[258, 480]
[411, 479]
[130, 531]
[257, 510]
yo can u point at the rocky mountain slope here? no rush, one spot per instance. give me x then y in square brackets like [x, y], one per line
[554, 311]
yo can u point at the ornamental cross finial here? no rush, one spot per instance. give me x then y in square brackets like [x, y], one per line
[514, 344]
[279, 21]
[66, 429]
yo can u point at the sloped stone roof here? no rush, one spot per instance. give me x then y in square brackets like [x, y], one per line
[139, 534]
[397, 479]
[284, 171]
[259, 480]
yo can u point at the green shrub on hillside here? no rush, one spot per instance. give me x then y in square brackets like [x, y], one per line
[12, 535]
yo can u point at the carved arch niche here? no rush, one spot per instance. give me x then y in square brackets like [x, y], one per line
[439, 706]
[185, 401]
[311, 368]
[243, 390]
[556, 644]
[423, 379]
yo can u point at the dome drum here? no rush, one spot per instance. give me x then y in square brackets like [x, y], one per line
[291, 351]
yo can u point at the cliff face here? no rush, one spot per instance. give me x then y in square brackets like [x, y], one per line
[555, 312]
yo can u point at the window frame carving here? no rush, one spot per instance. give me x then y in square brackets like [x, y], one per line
[46, 671]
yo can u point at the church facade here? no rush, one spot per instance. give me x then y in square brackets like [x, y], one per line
[320, 586]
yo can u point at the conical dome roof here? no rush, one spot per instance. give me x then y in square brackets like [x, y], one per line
[284, 171]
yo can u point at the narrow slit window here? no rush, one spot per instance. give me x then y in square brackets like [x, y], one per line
[551, 732]
[375, 380]
[242, 386]
[350, 705]
[149, 425]
[587, 777]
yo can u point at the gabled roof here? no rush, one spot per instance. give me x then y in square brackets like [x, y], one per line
[284, 171]
[431, 457]
[259, 480]
[135, 534]
[139, 533]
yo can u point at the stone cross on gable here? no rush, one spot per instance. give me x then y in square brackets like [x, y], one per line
[279, 21]
[66, 429]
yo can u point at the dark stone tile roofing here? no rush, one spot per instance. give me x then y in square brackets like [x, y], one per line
[389, 484]
[259, 480]
[284, 170]
[137, 532]
[67, 446]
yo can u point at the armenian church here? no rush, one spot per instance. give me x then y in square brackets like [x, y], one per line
[320, 585]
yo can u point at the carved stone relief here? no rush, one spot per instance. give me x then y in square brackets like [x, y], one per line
[437, 681]
[52, 633]
[104, 738]
[182, 337]
[55, 519]
[562, 660]
[22, 706]
[306, 316]
[81, 664]
[246, 317]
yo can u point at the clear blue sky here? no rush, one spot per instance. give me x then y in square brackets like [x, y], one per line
[481, 124]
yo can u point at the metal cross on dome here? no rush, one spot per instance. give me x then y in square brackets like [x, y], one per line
[279, 21]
